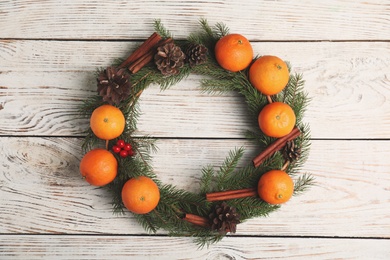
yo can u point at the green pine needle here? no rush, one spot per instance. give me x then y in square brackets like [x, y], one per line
[161, 30]
[228, 167]
[221, 30]
[303, 183]
[251, 207]
[208, 175]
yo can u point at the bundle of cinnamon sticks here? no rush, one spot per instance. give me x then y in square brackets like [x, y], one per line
[144, 53]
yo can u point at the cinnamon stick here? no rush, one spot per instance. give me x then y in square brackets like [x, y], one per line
[146, 57]
[141, 62]
[231, 194]
[275, 146]
[142, 49]
[196, 220]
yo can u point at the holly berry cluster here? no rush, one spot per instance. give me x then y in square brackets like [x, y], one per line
[123, 149]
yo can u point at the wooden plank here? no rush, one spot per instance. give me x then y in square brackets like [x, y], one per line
[40, 91]
[150, 247]
[41, 190]
[49, 51]
[259, 20]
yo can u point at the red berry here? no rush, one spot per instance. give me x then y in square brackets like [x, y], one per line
[116, 149]
[131, 152]
[120, 143]
[124, 153]
[127, 147]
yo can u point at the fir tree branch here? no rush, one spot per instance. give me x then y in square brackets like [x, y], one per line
[221, 30]
[294, 95]
[303, 183]
[251, 207]
[228, 167]
[206, 181]
[246, 177]
[166, 82]
[303, 142]
[185, 201]
[89, 105]
[161, 30]
[147, 222]
[90, 141]
[205, 240]
[206, 28]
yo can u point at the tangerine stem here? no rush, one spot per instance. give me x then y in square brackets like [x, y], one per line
[285, 165]
[269, 99]
[139, 93]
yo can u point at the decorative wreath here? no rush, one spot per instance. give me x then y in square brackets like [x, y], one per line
[228, 195]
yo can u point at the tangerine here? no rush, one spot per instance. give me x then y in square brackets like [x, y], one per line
[99, 167]
[269, 75]
[275, 187]
[107, 122]
[140, 195]
[277, 119]
[233, 52]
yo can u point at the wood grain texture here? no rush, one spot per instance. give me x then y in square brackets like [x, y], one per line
[43, 82]
[49, 51]
[142, 247]
[259, 20]
[41, 190]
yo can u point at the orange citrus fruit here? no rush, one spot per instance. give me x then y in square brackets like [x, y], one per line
[233, 52]
[277, 119]
[140, 195]
[275, 187]
[99, 167]
[269, 75]
[107, 122]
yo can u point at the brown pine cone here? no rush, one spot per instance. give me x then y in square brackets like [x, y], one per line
[113, 85]
[291, 152]
[169, 59]
[196, 54]
[224, 218]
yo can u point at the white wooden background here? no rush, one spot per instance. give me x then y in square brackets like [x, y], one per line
[49, 51]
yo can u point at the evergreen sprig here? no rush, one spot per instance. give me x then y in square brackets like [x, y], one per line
[251, 207]
[302, 183]
[227, 168]
[161, 30]
[232, 174]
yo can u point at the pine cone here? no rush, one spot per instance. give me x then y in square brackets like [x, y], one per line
[169, 59]
[113, 85]
[196, 54]
[224, 218]
[291, 152]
